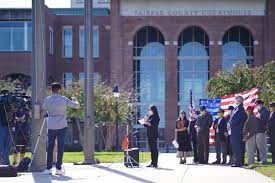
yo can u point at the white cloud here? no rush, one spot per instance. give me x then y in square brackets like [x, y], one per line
[28, 3]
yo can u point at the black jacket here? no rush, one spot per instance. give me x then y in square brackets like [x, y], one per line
[264, 117]
[222, 128]
[271, 125]
[152, 131]
[204, 122]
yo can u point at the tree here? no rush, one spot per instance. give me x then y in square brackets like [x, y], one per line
[105, 114]
[244, 78]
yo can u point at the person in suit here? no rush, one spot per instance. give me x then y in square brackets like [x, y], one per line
[249, 134]
[151, 123]
[228, 141]
[261, 138]
[271, 130]
[193, 137]
[236, 122]
[220, 127]
[203, 124]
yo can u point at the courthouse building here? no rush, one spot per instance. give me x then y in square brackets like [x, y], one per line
[162, 49]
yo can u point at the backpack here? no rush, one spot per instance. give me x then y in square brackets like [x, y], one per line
[23, 166]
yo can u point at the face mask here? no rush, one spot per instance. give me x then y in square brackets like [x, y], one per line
[202, 112]
[220, 115]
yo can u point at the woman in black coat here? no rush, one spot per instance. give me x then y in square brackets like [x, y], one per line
[151, 123]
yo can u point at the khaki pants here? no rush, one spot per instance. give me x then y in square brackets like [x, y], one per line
[251, 149]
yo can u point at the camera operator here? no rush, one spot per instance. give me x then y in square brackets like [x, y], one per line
[5, 135]
[20, 131]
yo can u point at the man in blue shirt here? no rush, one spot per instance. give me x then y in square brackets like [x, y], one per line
[56, 106]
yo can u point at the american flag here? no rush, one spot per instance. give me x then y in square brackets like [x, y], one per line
[213, 105]
[249, 96]
[191, 108]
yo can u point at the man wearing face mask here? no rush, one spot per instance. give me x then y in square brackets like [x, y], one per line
[261, 139]
[203, 124]
[220, 137]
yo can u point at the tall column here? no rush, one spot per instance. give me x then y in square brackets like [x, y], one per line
[38, 86]
[116, 57]
[89, 121]
[171, 92]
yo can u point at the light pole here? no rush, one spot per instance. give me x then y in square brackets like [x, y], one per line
[116, 95]
[130, 117]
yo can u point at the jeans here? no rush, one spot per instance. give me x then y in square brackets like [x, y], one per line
[52, 135]
[5, 145]
[261, 141]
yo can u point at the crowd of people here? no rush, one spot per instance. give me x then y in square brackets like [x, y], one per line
[239, 132]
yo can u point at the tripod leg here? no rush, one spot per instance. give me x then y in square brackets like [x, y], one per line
[36, 144]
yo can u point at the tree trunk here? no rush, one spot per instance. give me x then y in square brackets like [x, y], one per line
[110, 137]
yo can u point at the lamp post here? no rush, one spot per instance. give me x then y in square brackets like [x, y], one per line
[116, 95]
[130, 105]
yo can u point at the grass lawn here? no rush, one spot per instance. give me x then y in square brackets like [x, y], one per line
[103, 157]
[268, 170]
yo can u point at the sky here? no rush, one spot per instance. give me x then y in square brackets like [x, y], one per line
[28, 3]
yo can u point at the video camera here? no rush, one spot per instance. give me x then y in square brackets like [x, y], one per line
[15, 98]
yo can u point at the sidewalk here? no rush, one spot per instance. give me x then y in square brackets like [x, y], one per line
[169, 171]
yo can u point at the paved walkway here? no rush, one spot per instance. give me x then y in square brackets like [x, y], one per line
[169, 171]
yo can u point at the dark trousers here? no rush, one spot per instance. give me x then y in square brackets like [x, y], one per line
[272, 148]
[153, 146]
[203, 146]
[52, 135]
[221, 148]
[5, 145]
[238, 148]
[195, 148]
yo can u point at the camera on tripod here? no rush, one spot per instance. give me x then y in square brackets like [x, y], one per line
[14, 98]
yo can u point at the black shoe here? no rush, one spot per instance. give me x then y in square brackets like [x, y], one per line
[149, 165]
[155, 166]
[224, 162]
[236, 166]
[216, 162]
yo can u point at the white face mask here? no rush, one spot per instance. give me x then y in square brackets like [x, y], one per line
[258, 107]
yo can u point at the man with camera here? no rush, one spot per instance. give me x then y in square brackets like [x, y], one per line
[56, 106]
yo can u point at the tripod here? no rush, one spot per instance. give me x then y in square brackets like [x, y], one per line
[129, 160]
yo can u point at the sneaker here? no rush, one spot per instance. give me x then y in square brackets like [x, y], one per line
[47, 172]
[60, 172]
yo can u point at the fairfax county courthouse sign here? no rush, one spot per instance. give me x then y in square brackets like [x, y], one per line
[192, 7]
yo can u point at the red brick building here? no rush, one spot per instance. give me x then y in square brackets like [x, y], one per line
[162, 49]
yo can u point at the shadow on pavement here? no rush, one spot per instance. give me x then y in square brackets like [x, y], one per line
[38, 178]
[123, 174]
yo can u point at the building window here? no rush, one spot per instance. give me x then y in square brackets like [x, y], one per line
[68, 79]
[15, 36]
[237, 48]
[149, 77]
[95, 41]
[81, 77]
[51, 39]
[67, 42]
[193, 69]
